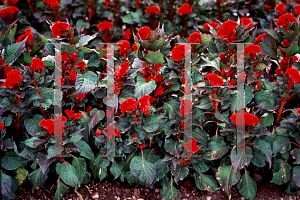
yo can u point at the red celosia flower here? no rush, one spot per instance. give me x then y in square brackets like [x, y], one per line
[99, 132]
[185, 161]
[48, 124]
[128, 105]
[227, 31]
[1, 126]
[8, 12]
[88, 110]
[191, 146]
[285, 20]
[72, 75]
[27, 34]
[74, 56]
[186, 106]
[142, 146]
[124, 47]
[60, 28]
[178, 52]
[37, 64]
[227, 73]
[214, 25]
[297, 9]
[71, 114]
[152, 10]
[144, 33]
[184, 9]
[298, 111]
[135, 47]
[105, 26]
[286, 43]
[13, 77]
[248, 118]
[231, 83]
[105, 3]
[80, 96]
[110, 129]
[280, 8]
[195, 38]
[214, 79]
[81, 65]
[122, 71]
[246, 21]
[267, 8]
[126, 35]
[65, 57]
[134, 136]
[278, 71]
[52, 3]
[12, 2]
[259, 38]
[294, 74]
[159, 91]
[7, 69]
[220, 1]
[144, 103]
[252, 50]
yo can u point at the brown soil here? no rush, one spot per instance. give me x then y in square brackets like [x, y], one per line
[120, 191]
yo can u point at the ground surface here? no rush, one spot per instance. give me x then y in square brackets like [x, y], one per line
[120, 191]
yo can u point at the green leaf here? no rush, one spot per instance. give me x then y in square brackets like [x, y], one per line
[152, 123]
[227, 178]
[143, 87]
[265, 148]
[127, 19]
[267, 119]
[68, 173]
[259, 159]
[172, 147]
[9, 185]
[142, 169]
[205, 182]
[116, 170]
[37, 178]
[217, 148]
[12, 52]
[170, 107]
[201, 167]
[84, 40]
[43, 162]
[80, 166]
[85, 82]
[155, 58]
[61, 190]
[84, 149]
[10, 161]
[94, 60]
[247, 186]
[205, 104]
[221, 117]
[96, 117]
[45, 39]
[32, 125]
[180, 172]
[21, 174]
[27, 58]
[292, 50]
[212, 47]
[296, 155]
[281, 144]
[240, 157]
[274, 34]
[282, 172]
[33, 142]
[269, 47]
[102, 173]
[168, 191]
[205, 38]
[162, 170]
[296, 175]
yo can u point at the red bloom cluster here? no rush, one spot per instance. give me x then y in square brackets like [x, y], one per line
[12, 2]
[71, 114]
[297, 9]
[48, 124]
[1, 126]
[27, 34]
[246, 21]
[105, 26]
[128, 105]
[88, 110]
[135, 47]
[285, 20]
[142, 146]
[52, 3]
[74, 56]
[60, 28]
[214, 25]
[37, 64]
[152, 10]
[122, 71]
[259, 38]
[186, 106]
[144, 103]
[294, 74]
[195, 38]
[8, 12]
[298, 111]
[80, 96]
[13, 77]
[99, 132]
[267, 8]
[178, 52]
[191, 146]
[124, 47]
[214, 79]
[227, 31]
[126, 35]
[144, 33]
[280, 8]
[105, 3]
[81, 65]
[72, 75]
[111, 129]
[159, 91]
[149, 71]
[252, 50]
[286, 43]
[184, 9]
[248, 118]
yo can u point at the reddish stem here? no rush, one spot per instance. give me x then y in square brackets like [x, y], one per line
[279, 114]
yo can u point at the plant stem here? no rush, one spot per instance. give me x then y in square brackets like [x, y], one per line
[279, 114]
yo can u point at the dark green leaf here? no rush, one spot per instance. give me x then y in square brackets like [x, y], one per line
[247, 186]
[227, 178]
[144, 170]
[68, 173]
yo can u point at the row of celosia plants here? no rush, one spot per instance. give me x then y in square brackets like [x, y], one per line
[150, 108]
